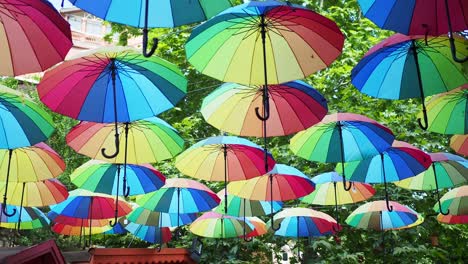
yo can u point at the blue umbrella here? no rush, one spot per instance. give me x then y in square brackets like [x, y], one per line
[118, 229]
[163, 14]
[147, 217]
[151, 234]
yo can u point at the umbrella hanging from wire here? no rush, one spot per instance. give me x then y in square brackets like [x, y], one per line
[23, 122]
[436, 18]
[280, 184]
[215, 225]
[26, 46]
[89, 206]
[447, 112]
[101, 177]
[26, 165]
[294, 106]
[446, 171]
[401, 161]
[224, 158]
[459, 143]
[111, 86]
[329, 191]
[31, 218]
[403, 67]
[342, 137]
[160, 14]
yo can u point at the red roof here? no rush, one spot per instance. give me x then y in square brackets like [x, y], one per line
[43, 253]
[139, 255]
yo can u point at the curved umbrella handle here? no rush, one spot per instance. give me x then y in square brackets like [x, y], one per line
[5, 212]
[454, 50]
[113, 223]
[117, 147]
[426, 122]
[126, 192]
[149, 53]
[346, 188]
[389, 207]
[440, 206]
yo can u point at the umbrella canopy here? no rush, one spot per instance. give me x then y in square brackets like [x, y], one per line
[118, 229]
[402, 67]
[459, 143]
[30, 218]
[290, 41]
[419, 221]
[180, 196]
[216, 225]
[416, 17]
[303, 222]
[447, 112]
[102, 177]
[223, 158]
[280, 184]
[376, 216]
[150, 234]
[454, 201]
[260, 228]
[342, 137]
[167, 13]
[112, 85]
[149, 140]
[23, 122]
[88, 205]
[41, 193]
[295, 106]
[146, 217]
[26, 46]
[452, 219]
[237, 206]
[327, 184]
[70, 230]
[73, 221]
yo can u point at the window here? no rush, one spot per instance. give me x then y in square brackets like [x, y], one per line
[94, 27]
[75, 23]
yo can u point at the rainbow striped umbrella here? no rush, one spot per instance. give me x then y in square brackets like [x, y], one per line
[260, 228]
[168, 13]
[233, 108]
[150, 234]
[447, 112]
[71, 230]
[419, 17]
[452, 219]
[303, 222]
[238, 206]
[447, 170]
[419, 221]
[41, 193]
[459, 143]
[216, 225]
[111, 86]
[402, 67]
[146, 217]
[26, 46]
[455, 201]
[149, 140]
[24, 123]
[73, 221]
[376, 216]
[329, 191]
[394, 164]
[29, 218]
[342, 137]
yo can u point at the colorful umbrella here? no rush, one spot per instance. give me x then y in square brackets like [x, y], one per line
[342, 137]
[447, 171]
[280, 184]
[394, 164]
[452, 219]
[224, 158]
[73, 221]
[119, 229]
[402, 67]
[29, 218]
[149, 140]
[216, 225]
[146, 217]
[303, 222]
[454, 201]
[447, 112]
[328, 191]
[26, 46]
[150, 234]
[89, 206]
[112, 85]
[419, 221]
[233, 108]
[105, 178]
[237, 206]
[22, 121]
[418, 17]
[70, 230]
[169, 13]
[259, 228]
[41, 193]
[180, 196]
[459, 143]
[28, 164]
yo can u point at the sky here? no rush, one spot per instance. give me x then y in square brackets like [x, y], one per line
[57, 3]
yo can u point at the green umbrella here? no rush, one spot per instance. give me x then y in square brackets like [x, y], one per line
[447, 112]
[455, 201]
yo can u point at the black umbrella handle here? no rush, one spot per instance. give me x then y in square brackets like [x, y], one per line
[453, 49]
[147, 53]
[4, 204]
[113, 69]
